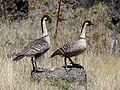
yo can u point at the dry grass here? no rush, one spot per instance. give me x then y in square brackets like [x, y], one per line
[103, 73]
[103, 70]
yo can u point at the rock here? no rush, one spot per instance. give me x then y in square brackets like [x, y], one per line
[116, 14]
[75, 74]
[14, 9]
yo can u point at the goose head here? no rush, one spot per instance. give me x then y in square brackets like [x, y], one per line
[85, 24]
[88, 23]
[46, 18]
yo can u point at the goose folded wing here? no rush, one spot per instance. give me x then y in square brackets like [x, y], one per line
[36, 47]
[70, 47]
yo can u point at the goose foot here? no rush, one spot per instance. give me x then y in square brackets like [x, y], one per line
[38, 70]
[77, 66]
[74, 64]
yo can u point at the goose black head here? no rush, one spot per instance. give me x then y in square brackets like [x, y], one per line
[88, 23]
[46, 18]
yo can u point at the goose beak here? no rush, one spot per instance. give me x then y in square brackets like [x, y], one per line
[91, 24]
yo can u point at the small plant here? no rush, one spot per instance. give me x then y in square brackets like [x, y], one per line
[97, 9]
[45, 1]
[94, 10]
[96, 36]
[62, 84]
[51, 15]
[107, 22]
[76, 14]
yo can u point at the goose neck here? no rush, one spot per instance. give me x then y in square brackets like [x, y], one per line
[44, 28]
[83, 30]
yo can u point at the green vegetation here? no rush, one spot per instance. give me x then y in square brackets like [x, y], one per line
[96, 36]
[62, 84]
[51, 15]
[45, 1]
[76, 14]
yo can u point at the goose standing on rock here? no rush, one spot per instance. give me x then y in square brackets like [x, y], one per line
[37, 47]
[74, 48]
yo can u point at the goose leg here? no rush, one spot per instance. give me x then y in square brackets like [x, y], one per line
[33, 63]
[73, 62]
[65, 64]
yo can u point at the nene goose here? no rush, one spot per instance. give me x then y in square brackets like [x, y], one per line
[73, 48]
[37, 47]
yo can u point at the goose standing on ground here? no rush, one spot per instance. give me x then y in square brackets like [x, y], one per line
[74, 48]
[37, 47]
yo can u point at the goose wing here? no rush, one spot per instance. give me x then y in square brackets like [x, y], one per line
[70, 47]
[38, 46]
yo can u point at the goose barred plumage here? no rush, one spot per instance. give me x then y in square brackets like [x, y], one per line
[74, 48]
[37, 47]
